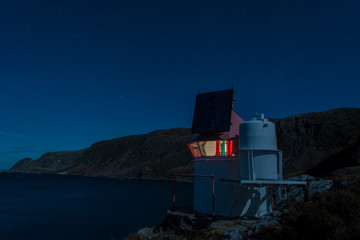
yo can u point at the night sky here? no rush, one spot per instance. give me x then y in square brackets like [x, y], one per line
[80, 71]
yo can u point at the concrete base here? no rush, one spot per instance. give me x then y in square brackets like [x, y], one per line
[250, 201]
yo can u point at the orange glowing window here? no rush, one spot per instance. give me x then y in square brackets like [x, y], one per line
[214, 148]
[195, 149]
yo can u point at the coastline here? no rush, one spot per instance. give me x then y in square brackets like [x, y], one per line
[95, 176]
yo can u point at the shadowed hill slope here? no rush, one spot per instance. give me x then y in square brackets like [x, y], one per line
[151, 156]
[317, 143]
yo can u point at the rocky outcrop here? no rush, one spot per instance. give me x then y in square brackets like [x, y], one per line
[183, 223]
[314, 143]
[299, 192]
[193, 225]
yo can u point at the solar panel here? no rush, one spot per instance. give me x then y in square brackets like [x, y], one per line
[213, 112]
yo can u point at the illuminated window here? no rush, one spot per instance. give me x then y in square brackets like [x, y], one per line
[208, 148]
[214, 148]
[194, 149]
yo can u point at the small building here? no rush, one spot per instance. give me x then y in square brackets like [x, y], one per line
[242, 157]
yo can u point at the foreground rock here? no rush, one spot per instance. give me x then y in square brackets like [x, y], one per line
[192, 225]
[183, 223]
[301, 193]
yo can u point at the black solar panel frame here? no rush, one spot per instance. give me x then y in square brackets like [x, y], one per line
[213, 112]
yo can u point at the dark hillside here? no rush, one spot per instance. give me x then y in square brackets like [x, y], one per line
[319, 143]
[314, 143]
[152, 156]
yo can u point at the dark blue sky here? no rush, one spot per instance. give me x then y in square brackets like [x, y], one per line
[75, 72]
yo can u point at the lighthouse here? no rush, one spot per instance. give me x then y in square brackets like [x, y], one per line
[241, 156]
[215, 149]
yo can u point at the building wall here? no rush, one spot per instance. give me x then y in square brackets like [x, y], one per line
[203, 186]
[230, 200]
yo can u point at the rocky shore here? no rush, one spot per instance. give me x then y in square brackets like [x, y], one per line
[183, 223]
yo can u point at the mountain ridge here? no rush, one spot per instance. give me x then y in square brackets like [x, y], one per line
[317, 143]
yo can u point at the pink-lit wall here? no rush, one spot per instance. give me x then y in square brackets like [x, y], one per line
[236, 120]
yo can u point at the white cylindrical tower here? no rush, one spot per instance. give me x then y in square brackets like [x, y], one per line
[259, 157]
[258, 134]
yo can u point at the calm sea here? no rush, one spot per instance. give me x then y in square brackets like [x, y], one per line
[71, 207]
